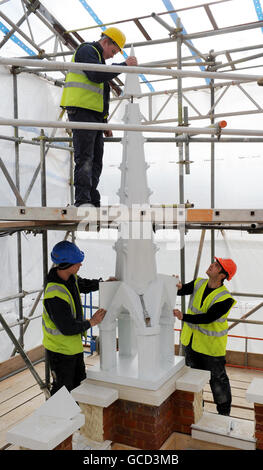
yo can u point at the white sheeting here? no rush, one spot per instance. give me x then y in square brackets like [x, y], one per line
[238, 185]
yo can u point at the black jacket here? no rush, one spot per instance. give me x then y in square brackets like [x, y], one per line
[213, 313]
[59, 310]
[87, 54]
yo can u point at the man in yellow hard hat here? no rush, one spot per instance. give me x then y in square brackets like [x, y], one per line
[86, 97]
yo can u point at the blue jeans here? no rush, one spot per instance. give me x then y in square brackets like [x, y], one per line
[88, 155]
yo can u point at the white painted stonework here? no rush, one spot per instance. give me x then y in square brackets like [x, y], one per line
[94, 394]
[254, 392]
[141, 303]
[225, 430]
[193, 380]
[57, 419]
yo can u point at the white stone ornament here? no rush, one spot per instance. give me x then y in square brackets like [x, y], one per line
[139, 305]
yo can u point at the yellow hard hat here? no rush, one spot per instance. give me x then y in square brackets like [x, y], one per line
[116, 35]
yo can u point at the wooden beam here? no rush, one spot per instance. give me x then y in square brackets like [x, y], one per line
[142, 29]
[210, 16]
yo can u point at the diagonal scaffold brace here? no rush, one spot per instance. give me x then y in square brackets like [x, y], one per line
[25, 357]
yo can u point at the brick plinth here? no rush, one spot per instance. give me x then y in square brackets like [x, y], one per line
[147, 427]
[259, 425]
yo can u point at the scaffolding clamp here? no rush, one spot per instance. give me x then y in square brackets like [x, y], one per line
[218, 131]
[41, 53]
[218, 126]
[173, 34]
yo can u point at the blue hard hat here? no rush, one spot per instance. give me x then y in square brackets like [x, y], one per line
[66, 252]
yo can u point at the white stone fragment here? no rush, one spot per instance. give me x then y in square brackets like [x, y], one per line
[225, 430]
[56, 420]
[254, 392]
[94, 394]
[193, 380]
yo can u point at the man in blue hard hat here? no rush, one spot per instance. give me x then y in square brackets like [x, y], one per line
[63, 323]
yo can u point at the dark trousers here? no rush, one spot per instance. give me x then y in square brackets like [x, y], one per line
[219, 381]
[66, 370]
[88, 155]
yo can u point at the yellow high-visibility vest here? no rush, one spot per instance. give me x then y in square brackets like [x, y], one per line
[53, 339]
[81, 92]
[211, 338]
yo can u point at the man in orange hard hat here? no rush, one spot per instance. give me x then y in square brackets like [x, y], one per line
[205, 327]
[86, 97]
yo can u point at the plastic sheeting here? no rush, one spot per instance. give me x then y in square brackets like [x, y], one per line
[238, 185]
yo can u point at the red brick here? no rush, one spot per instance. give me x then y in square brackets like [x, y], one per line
[188, 412]
[178, 427]
[123, 430]
[119, 419]
[185, 420]
[259, 435]
[120, 438]
[186, 429]
[147, 427]
[259, 418]
[144, 418]
[140, 434]
[258, 409]
[141, 445]
[131, 423]
[185, 396]
[180, 404]
[259, 445]
[65, 445]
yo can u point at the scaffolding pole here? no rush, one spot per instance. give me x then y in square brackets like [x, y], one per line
[25, 357]
[128, 127]
[65, 66]
[184, 132]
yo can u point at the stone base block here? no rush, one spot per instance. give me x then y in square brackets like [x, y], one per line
[140, 425]
[225, 430]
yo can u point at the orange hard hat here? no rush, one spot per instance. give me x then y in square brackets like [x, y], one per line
[228, 265]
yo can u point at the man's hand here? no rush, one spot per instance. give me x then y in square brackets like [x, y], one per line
[108, 133]
[97, 317]
[131, 61]
[178, 314]
[179, 285]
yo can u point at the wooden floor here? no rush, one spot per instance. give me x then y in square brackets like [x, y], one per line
[20, 396]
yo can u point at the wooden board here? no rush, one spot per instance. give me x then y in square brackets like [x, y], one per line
[235, 412]
[16, 363]
[178, 441]
[239, 381]
[19, 382]
[20, 396]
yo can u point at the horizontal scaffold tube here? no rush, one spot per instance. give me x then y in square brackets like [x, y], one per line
[52, 65]
[127, 127]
